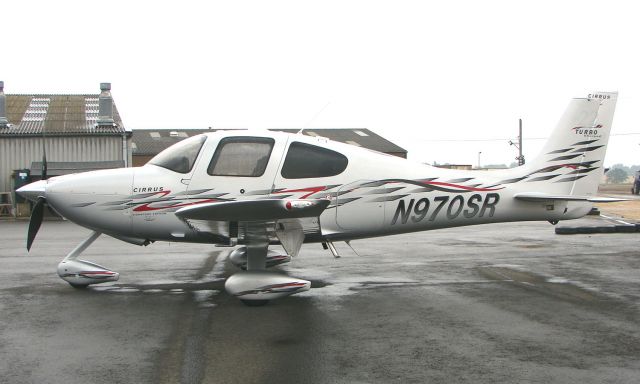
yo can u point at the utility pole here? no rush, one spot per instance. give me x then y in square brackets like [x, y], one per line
[518, 145]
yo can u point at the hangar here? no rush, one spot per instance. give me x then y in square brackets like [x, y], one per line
[80, 132]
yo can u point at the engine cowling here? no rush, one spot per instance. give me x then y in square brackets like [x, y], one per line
[239, 258]
[83, 273]
[263, 285]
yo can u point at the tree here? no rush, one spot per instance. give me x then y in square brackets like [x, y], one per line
[621, 166]
[617, 176]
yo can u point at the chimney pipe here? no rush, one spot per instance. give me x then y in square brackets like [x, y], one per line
[105, 105]
[4, 123]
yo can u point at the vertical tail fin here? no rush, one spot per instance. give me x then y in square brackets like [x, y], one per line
[571, 162]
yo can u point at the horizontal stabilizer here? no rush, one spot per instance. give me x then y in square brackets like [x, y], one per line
[254, 210]
[538, 196]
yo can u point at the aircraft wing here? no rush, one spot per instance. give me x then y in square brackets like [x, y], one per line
[537, 196]
[254, 210]
[254, 217]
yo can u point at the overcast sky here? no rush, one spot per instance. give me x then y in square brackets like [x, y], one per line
[423, 74]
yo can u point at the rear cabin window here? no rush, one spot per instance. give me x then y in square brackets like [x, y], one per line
[241, 156]
[181, 156]
[309, 161]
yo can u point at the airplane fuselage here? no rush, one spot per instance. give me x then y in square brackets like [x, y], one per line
[375, 194]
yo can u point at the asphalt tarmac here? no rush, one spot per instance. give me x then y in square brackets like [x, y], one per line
[504, 303]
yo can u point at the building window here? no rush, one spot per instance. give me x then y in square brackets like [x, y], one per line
[309, 161]
[181, 156]
[241, 156]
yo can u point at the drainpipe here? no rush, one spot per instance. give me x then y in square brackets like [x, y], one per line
[4, 123]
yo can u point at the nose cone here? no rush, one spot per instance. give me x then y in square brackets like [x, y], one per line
[34, 190]
[86, 198]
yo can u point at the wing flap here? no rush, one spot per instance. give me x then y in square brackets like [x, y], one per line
[254, 210]
[538, 196]
[291, 235]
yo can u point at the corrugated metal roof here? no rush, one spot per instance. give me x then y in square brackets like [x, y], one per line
[57, 115]
[361, 137]
[147, 142]
[57, 168]
[152, 142]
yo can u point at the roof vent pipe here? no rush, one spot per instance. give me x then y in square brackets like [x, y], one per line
[105, 105]
[4, 123]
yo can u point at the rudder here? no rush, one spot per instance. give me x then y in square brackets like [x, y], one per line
[571, 162]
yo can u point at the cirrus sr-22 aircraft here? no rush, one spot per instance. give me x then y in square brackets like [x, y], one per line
[256, 189]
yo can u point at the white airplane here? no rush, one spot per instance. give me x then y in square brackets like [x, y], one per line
[260, 189]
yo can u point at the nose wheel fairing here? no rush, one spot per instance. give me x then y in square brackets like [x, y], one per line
[81, 273]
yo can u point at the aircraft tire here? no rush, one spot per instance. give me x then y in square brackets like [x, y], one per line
[254, 303]
[79, 286]
[566, 230]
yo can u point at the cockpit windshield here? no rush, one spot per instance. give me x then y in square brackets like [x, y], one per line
[181, 156]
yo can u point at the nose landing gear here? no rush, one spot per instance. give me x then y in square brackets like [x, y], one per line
[82, 273]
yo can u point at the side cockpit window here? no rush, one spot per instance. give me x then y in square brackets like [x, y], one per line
[241, 156]
[309, 161]
[181, 156]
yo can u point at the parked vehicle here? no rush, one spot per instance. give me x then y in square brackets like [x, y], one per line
[635, 189]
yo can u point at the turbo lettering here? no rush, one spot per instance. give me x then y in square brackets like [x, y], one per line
[592, 131]
[587, 132]
[418, 210]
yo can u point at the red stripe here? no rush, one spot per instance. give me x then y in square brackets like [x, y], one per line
[286, 285]
[311, 191]
[146, 207]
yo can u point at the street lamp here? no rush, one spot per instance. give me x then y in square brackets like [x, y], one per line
[479, 153]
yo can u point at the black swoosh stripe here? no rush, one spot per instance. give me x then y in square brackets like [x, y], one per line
[585, 142]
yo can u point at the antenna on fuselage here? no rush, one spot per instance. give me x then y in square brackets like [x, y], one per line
[314, 117]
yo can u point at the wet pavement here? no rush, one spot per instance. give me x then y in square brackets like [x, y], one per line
[499, 303]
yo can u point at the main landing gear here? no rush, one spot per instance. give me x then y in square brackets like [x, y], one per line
[256, 286]
[82, 273]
